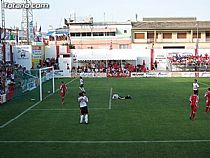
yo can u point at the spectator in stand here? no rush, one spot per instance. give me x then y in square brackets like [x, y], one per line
[1, 91]
[206, 67]
[155, 65]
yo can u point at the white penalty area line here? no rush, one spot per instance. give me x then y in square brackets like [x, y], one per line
[106, 142]
[110, 99]
[28, 109]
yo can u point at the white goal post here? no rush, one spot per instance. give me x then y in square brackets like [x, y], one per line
[49, 72]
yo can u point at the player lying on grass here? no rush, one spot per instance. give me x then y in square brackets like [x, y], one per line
[116, 96]
[193, 104]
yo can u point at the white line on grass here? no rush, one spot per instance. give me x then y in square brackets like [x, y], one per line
[110, 99]
[67, 109]
[18, 116]
[105, 142]
[204, 84]
[204, 88]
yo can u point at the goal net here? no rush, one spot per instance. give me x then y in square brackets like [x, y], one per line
[34, 84]
[46, 82]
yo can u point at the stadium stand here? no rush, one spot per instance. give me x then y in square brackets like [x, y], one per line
[189, 63]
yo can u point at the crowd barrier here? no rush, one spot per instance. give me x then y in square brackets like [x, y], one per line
[170, 74]
[59, 74]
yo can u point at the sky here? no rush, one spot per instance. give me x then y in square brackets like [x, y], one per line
[108, 10]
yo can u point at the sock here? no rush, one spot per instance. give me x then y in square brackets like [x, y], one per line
[81, 118]
[193, 116]
[86, 118]
[207, 108]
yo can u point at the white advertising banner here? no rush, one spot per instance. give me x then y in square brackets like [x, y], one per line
[63, 50]
[62, 73]
[23, 56]
[204, 74]
[161, 59]
[50, 52]
[151, 74]
[93, 75]
[65, 63]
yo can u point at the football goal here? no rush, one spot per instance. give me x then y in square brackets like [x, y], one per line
[46, 82]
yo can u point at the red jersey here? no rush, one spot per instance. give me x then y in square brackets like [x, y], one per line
[193, 100]
[207, 95]
[63, 88]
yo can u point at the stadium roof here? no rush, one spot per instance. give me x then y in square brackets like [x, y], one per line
[170, 19]
[171, 25]
[102, 54]
[58, 33]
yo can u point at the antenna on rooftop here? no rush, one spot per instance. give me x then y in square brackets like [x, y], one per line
[136, 16]
[104, 17]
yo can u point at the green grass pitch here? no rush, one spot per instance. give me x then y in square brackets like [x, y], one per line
[155, 123]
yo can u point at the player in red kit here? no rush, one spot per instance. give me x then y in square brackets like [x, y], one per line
[194, 105]
[207, 96]
[63, 90]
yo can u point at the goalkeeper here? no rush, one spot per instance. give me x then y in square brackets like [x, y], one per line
[117, 96]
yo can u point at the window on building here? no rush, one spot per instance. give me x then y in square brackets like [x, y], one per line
[51, 38]
[150, 35]
[125, 31]
[73, 34]
[88, 33]
[84, 34]
[173, 47]
[207, 34]
[112, 34]
[167, 35]
[123, 46]
[101, 34]
[95, 34]
[77, 34]
[181, 35]
[139, 36]
[195, 35]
